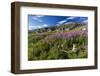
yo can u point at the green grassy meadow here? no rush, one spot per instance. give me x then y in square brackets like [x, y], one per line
[58, 44]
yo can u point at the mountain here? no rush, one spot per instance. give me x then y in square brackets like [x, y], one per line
[66, 26]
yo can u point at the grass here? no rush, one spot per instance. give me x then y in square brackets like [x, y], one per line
[56, 48]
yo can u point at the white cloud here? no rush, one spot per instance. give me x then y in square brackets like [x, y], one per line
[37, 18]
[62, 21]
[70, 18]
[32, 27]
[45, 25]
[65, 21]
[85, 21]
[37, 27]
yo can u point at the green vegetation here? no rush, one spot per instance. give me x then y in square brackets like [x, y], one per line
[70, 44]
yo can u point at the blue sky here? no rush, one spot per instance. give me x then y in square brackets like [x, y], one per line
[41, 21]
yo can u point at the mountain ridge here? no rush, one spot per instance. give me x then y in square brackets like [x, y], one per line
[64, 26]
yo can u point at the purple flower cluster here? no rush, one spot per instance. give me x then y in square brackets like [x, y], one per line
[67, 35]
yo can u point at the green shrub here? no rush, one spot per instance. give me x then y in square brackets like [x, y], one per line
[57, 48]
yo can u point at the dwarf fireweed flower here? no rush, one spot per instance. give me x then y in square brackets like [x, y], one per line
[67, 35]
